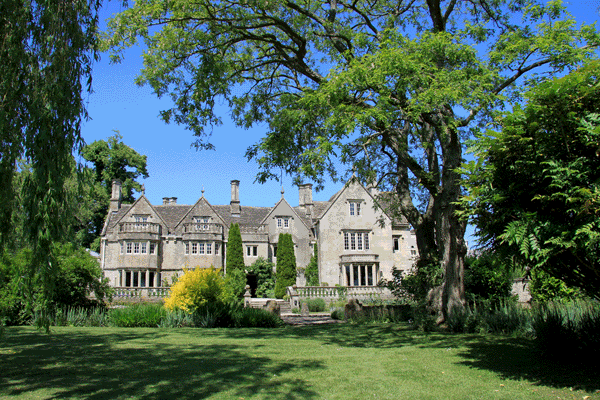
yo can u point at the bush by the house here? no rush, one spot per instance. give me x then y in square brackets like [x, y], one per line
[265, 278]
[315, 305]
[77, 277]
[149, 315]
[196, 288]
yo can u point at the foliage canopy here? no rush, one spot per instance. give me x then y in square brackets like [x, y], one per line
[47, 52]
[391, 88]
[535, 190]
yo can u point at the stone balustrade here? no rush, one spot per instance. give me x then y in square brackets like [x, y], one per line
[334, 293]
[145, 293]
[135, 227]
[202, 227]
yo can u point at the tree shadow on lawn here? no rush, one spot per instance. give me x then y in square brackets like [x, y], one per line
[510, 358]
[133, 364]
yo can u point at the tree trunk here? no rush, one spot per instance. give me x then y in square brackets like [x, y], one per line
[450, 230]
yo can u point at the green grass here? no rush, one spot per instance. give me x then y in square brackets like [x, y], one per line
[341, 361]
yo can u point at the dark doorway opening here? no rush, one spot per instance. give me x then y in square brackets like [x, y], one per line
[252, 281]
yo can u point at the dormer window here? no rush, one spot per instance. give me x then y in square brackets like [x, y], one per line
[283, 222]
[354, 207]
[141, 221]
[201, 223]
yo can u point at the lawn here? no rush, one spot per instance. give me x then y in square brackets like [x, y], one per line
[339, 361]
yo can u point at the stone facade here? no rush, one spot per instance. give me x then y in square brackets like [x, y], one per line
[145, 245]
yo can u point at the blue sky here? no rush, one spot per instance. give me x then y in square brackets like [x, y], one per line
[176, 169]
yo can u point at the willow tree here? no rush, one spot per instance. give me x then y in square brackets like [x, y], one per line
[391, 87]
[47, 49]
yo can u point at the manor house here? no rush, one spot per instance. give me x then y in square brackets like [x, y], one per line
[145, 245]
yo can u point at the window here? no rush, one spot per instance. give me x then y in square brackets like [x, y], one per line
[194, 248]
[129, 247]
[283, 222]
[413, 252]
[396, 244]
[356, 241]
[252, 251]
[136, 247]
[152, 248]
[275, 251]
[144, 248]
[201, 248]
[201, 223]
[208, 248]
[354, 208]
[361, 274]
[187, 248]
[122, 245]
[141, 221]
[216, 248]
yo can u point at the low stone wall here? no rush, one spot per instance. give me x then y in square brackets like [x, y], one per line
[140, 294]
[335, 293]
[355, 310]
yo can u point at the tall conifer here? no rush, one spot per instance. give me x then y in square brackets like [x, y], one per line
[286, 265]
[312, 270]
[235, 253]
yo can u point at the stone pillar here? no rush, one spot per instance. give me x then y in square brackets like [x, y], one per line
[351, 275]
[247, 296]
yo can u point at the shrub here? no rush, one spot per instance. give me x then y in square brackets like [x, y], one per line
[312, 270]
[415, 285]
[147, 315]
[76, 316]
[487, 279]
[215, 315]
[569, 332]
[235, 282]
[256, 318]
[338, 313]
[315, 305]
[77, 276]
[176, 319]
[265, 279]
[545, 288]
[196, 288]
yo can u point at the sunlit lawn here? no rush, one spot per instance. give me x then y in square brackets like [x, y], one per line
[318, 362]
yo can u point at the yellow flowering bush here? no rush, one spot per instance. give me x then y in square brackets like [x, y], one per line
[197, 288]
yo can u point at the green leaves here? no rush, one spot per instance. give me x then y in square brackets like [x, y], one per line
[535, 192]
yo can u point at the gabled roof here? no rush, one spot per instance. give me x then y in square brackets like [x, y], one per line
[325, 207]
[297, 214]
[201, 199]
[140, 199]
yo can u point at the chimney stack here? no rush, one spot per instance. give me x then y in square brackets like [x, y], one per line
[305, 201]
[169, 200]
[235, 198]
[116, 196]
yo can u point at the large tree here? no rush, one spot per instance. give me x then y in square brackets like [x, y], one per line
[110, 159]
[535, 189]
[47, 49]
[392, 87]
